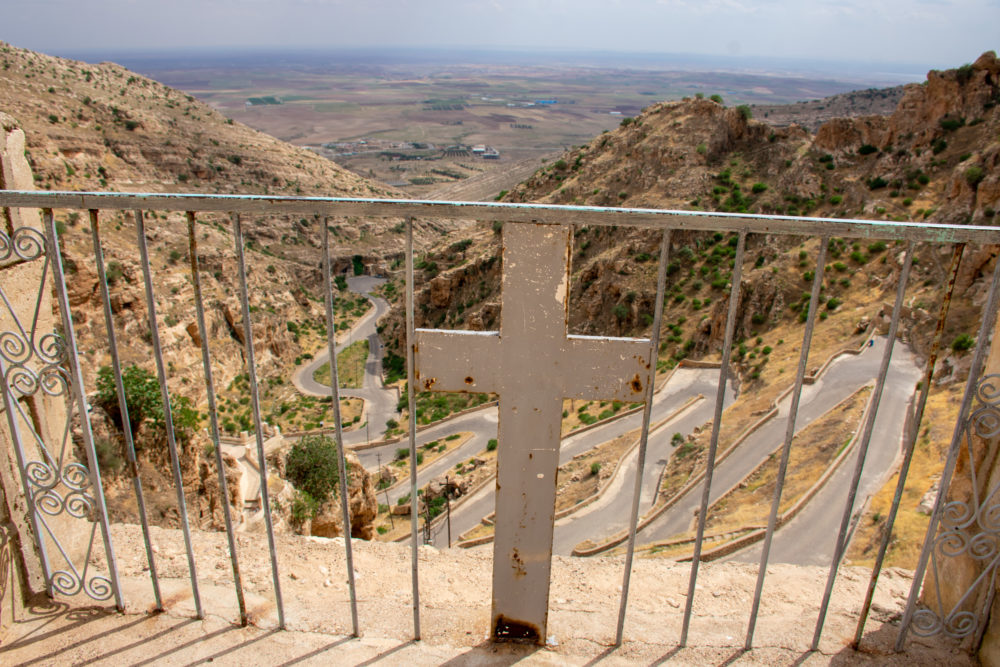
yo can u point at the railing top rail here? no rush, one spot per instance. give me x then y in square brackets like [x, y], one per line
[506, 212]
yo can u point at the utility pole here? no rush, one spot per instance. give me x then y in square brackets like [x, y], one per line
[447, 504]
[427, 521]
[378, 458]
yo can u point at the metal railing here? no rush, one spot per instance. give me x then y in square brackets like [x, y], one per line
[35, 363]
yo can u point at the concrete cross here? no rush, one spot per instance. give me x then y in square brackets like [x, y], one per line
[533, 365]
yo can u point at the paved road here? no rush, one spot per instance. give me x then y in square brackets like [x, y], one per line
[481, 423]
[684, 384]
[842, 378]
[380, 403]
[810, 537]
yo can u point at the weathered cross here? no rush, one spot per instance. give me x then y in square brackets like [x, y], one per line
[533, 365]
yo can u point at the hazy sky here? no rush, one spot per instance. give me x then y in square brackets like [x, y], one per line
[940, 33]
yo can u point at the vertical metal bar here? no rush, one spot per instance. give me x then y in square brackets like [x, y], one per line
[258, 427]
[720, 395]
[918, 417]
[116, 369]
[59, 279]
[975, 371]
[786, 449]
[331, 339]
[654, 347]
[168, 417]
[876, 399]
[411, 402]
[213, 416]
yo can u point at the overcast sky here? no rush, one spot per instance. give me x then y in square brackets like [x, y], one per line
[938, 33]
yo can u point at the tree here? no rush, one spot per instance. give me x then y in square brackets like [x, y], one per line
[144, 403]
[311, 467]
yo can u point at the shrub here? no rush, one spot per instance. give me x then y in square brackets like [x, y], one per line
[836, 199]
[311, 467]
[867, 149]
[745, 111]
[758, 188]
[491, 444]
[304, 507]
[877, 246]
[716, 98]
[973, 175]
[951, 124]
[877, 182]
[595, 467]
[833, 303]
[963, 342]
[677, 439]
[144, 402]
[402, 453]
[939, 146]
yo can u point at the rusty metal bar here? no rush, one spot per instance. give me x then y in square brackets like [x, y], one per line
[989, 316]
[720, 395]
[786, 449]
[412, 407]
[876, 399]
[654, 346]
[918, 417]
[331, 340]
[213, 416]
[168, 417]
[507, 212]
[116, 368]
[265, 500]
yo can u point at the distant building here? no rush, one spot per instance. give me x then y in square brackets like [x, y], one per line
[479, 149]
[546, 101]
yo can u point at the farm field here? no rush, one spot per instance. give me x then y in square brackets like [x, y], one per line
[413, 123]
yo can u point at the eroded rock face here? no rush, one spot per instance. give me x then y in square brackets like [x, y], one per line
[210, 500]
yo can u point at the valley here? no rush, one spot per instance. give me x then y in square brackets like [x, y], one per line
[517, 134]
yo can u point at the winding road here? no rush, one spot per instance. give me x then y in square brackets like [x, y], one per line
[380, 404]
[808, 539]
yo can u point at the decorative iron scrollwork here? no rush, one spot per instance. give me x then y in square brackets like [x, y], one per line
[970, 529]
[34, 363]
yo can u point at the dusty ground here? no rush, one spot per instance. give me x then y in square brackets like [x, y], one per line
[454, 605]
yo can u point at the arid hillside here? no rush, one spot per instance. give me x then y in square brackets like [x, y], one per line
[936, 157]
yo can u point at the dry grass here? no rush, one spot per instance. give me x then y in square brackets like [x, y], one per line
[350, 366]
[928, 460]
[577, 479]
[813, 450]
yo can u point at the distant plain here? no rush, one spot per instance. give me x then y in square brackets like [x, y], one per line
[392, 101]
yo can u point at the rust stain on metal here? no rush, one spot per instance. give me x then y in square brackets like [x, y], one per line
[636, 384]
[429, 383]
[517, 563]
[509, 630]
[469, 380]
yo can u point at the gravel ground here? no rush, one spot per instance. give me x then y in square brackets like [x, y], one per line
[455, 605]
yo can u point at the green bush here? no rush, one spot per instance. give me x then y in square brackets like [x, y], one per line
[951, 124]
[867, 149]
[491, 444]
[304, 507]
[973, 176]
[311, 466]
[745, 111]
[963, 342]
[716, 98]
[144, 402]
[595, 467]
[758, 188]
